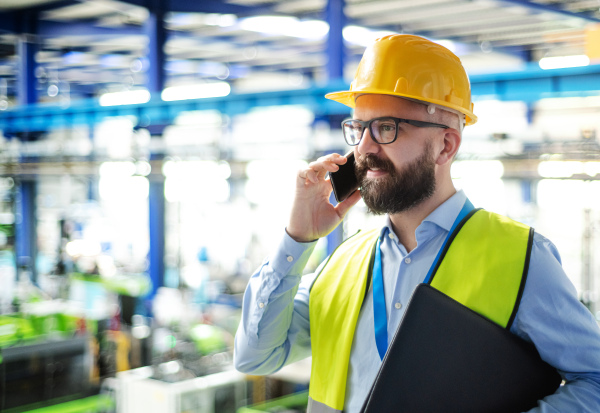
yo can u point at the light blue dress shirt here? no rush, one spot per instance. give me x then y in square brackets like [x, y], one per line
[275, 327]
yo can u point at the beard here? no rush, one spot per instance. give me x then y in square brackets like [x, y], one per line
[400, 190]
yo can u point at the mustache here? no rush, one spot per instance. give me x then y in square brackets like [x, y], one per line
[370, 161]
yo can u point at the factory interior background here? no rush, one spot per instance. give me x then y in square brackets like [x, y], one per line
[148, 152]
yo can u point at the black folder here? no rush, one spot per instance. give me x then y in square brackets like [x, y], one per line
[447, 358]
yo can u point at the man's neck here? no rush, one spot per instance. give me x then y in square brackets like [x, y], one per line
[405, 224]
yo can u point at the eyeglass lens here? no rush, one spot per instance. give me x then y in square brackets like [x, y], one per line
[383, 130]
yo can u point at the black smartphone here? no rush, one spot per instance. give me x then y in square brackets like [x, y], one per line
[344, 181]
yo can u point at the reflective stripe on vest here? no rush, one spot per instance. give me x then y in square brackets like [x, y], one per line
[484, 267]
[318, 407]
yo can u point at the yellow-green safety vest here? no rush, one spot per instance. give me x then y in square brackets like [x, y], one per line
[484, 267]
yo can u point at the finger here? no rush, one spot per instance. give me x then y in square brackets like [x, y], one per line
[311, 175]
[334, 158]
[323, 166]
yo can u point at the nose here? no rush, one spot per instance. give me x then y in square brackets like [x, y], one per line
[367, 144]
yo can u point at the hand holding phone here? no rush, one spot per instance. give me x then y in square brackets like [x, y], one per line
[344, 181]
[313, 215]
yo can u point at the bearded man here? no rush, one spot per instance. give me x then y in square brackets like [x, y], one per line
[411, 100]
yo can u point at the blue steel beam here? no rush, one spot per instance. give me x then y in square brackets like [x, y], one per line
[9, 20]
[8, 23]
[49, 28]
[552, 9]
[528, 85]
[156, 111]
[534, 83]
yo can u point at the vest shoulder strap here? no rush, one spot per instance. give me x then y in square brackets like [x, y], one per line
[485, 265]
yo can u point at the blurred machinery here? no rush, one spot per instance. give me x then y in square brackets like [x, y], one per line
[157, 390]
[45, 358]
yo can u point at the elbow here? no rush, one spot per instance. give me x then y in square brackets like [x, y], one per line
[249, 365]
[243, 366]
[239, 363]
[250, 361]
[244, 359]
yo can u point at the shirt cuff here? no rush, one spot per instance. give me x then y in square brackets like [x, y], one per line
[291, 256]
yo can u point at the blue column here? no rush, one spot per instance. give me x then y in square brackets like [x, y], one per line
[335, 40]
[25, 223]
[27, 47]
[530, 112]
[25, 229]
[93, 183]
[155, 30]
[157, 233]
[335, 70]
[157, 35]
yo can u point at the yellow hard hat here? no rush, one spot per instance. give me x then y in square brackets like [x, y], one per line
[411, 67]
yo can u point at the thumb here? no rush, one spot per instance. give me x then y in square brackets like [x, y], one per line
[343, 207]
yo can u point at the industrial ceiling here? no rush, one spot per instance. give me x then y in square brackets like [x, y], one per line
[88, 47]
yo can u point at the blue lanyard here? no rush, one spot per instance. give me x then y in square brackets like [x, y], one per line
[379, 310]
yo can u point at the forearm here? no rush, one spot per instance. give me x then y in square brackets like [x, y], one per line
[274, 328]
[563, 330]
[579, 395]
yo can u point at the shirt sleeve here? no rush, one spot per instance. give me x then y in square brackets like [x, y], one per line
[274, 328]
[563, 330]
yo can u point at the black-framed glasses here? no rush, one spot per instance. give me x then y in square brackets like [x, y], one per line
[383, 130]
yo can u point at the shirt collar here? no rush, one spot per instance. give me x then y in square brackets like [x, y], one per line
[443, 216]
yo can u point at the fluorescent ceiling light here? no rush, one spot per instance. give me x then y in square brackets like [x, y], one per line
[592, 168]
[204, 118]
[198, 91]
[129, 97]
[268, 24]
[117, 169]
[559, 62]
[195, 169]
[363, 36]
[286, 26]
[560, 169]
[448, 44]
[487, 169]
[310, 29]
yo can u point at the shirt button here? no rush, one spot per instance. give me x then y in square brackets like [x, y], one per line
[261, 305]
[407, 260]
[290, 258]
[391, 235]
[398, 306]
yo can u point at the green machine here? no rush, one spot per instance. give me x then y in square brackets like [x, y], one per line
[44, 360]
[92, 404]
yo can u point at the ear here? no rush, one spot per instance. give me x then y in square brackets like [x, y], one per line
[451, 143]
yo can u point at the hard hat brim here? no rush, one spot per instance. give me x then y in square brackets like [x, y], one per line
[348, 98]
